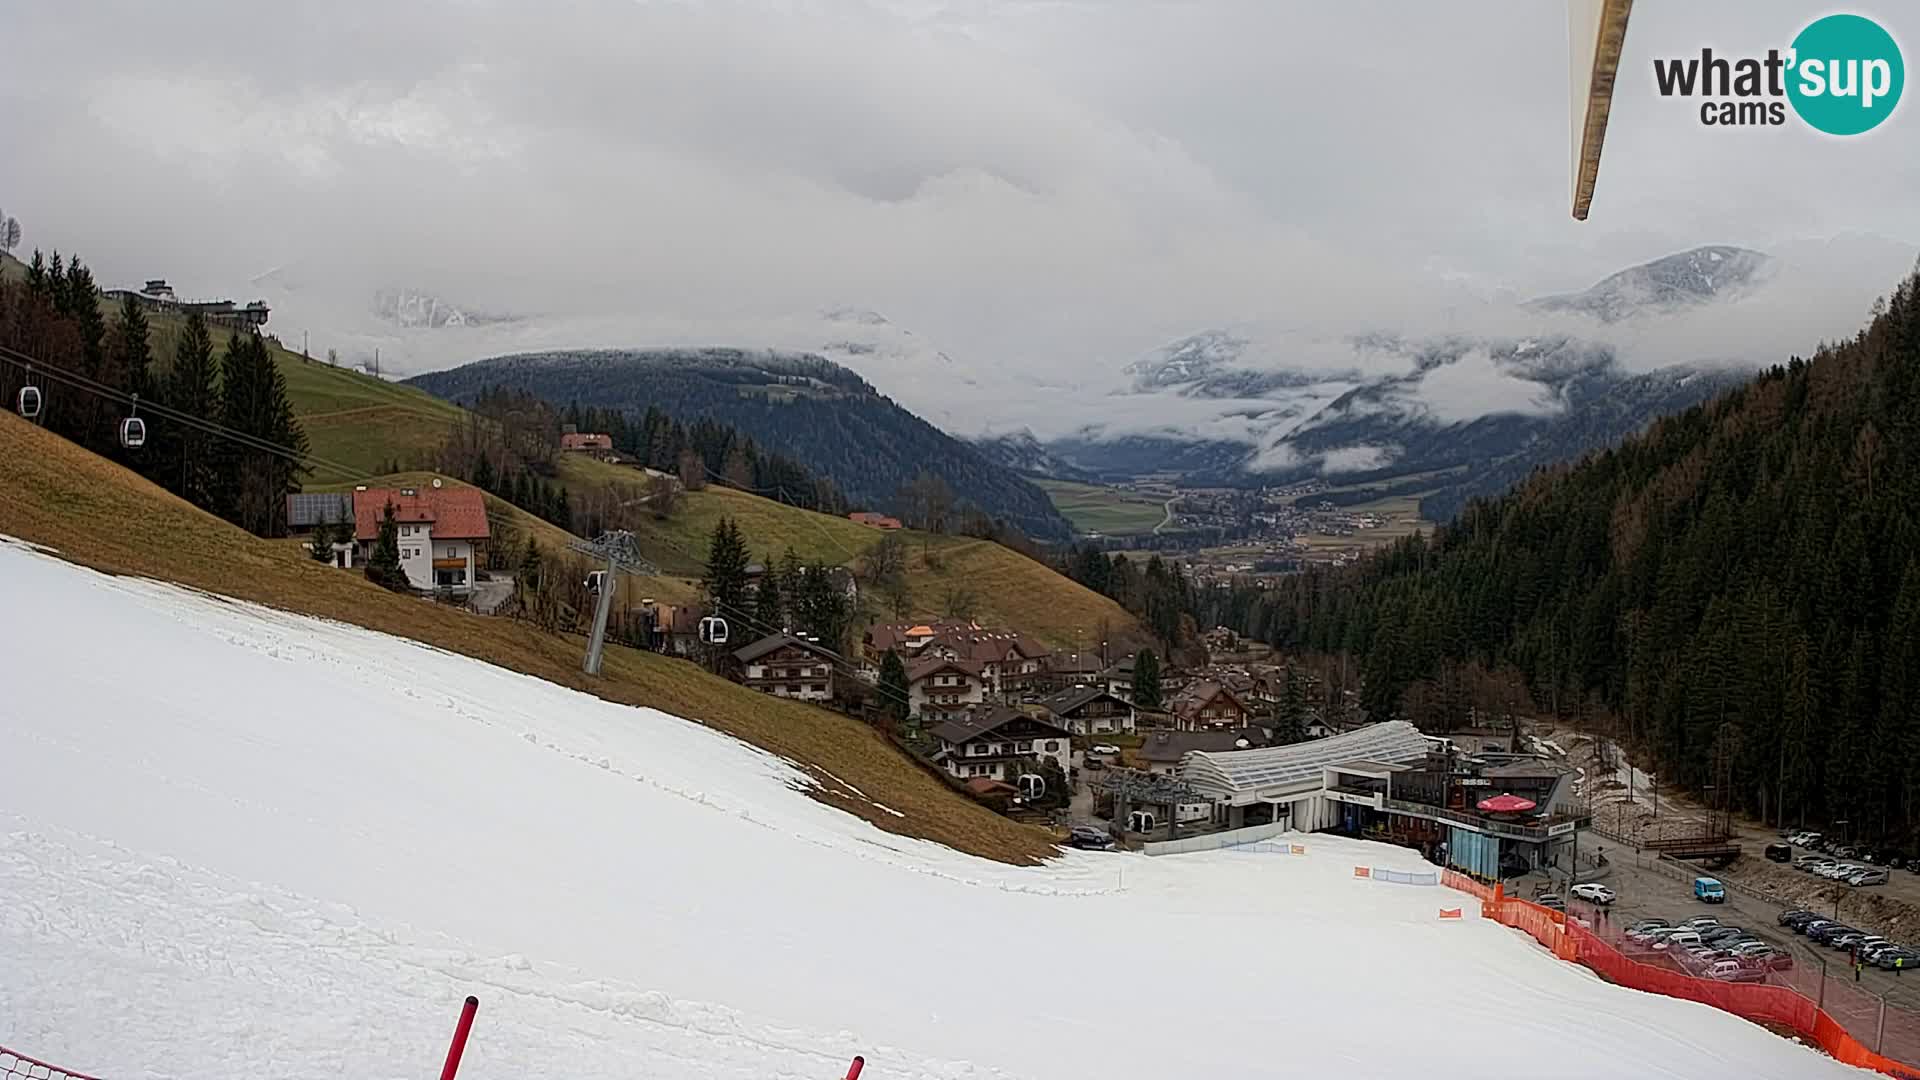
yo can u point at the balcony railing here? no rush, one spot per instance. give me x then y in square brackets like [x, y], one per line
[1537, 833]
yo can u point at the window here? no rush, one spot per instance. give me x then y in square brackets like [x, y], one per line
[1053, 745]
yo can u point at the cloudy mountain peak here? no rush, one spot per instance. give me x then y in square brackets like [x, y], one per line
[1676, 282]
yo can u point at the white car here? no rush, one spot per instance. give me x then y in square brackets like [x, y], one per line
[1868, 876]
[1594, 893]
[1104, 748]
[1679, 939]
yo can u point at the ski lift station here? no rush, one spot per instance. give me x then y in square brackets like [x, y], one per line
[1390, 782]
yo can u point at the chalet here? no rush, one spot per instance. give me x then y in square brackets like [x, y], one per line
[1007, 662]
[1207, 706]
[874, 521]
[1066, 670]
[581, 442]
[1163, 750]
[994, 742]
[1119, 678]
[439, 527]
[785, 666]
[937, 686]
[1089, 710]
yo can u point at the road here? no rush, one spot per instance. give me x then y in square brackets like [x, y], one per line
[1646, 892]
[1168, 520]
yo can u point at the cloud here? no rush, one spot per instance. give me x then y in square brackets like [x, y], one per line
[1041, 192]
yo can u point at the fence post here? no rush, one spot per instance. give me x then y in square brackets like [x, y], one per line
[459, 1045]
[1820, 1003]
[1880, 1027]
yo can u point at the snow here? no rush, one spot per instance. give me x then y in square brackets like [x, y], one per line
[239, 842]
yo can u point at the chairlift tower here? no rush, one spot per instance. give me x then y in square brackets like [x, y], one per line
[622, 555]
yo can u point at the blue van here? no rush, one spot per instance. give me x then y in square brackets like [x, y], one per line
[1709, 890]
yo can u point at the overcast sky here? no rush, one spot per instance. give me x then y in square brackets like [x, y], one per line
[1038, 186]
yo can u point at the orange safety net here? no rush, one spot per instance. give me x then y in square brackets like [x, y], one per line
[1766, 1004]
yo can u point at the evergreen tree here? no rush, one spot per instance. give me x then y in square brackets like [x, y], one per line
[255, 482]
[769, 605]
[320, 546]
[189, 451]
[725, 581]
[128, 359]
[483, 473]
[893, 685]
[383, 564]
[1290, 724]
[1146, 680]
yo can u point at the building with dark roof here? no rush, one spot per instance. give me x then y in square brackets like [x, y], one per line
[1207, 706]
[1164, 750]
[786, 666]
[937, 686]
[998, 743]
[1089, 710]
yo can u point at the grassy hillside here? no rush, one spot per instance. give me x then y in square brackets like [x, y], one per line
[1008, 588]
[351, 418]
[100, 515]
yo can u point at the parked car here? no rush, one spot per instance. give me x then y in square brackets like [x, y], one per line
[1594, 893]
[1798, 921]
[1871, 953]
[1735, 971]
[1787, 917]
[1551, 900]
[1678, 939]
[1779, 852]
[1810, 863]
[1825, 934]
[1872, 876]
[1716, 933]
[1904, 958]
[1105, 748]
[1089, 837]
[1646, 928]
[1806, 838]
[1093, 764]
[1700, 922]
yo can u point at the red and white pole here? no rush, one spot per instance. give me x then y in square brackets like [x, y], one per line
[853, 1070]
[460, 1038]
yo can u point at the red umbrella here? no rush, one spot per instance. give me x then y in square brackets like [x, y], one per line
[1506, 804]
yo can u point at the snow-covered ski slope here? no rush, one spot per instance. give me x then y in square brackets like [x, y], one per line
[237, 843]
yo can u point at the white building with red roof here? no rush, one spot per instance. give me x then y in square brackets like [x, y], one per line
[439, 530]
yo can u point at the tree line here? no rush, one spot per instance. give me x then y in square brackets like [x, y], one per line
[1155, 591]
[55, 315]
[1734, 595]
[803, 598]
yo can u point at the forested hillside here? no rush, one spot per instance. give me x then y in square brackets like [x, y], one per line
[816, 412]
[1736, 592]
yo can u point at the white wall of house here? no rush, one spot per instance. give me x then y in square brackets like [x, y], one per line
[981, 757]
[945, 690]
[804, 681]
[416, 554]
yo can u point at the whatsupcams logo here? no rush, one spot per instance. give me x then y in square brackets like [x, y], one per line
[1842, 75]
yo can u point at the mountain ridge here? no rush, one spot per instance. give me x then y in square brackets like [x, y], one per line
[819, 412]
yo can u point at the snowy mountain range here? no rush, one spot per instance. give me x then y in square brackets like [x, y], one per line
[1543, 382]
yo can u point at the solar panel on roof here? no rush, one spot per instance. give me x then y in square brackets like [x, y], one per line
[1394, 742]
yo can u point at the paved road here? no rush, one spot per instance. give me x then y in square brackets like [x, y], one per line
[1645, 892]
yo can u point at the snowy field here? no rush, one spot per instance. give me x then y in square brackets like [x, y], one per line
[236, 843]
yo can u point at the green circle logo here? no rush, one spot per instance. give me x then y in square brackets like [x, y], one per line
[1847, 74]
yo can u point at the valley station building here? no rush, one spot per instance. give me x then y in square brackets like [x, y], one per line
[1390, 782]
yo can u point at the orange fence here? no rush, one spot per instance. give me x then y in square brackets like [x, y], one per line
[1780, 1006]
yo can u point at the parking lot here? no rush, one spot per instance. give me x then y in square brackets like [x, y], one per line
[1648, 889]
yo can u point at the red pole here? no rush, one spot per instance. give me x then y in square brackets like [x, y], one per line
[459, 1038]
[853, 1070]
